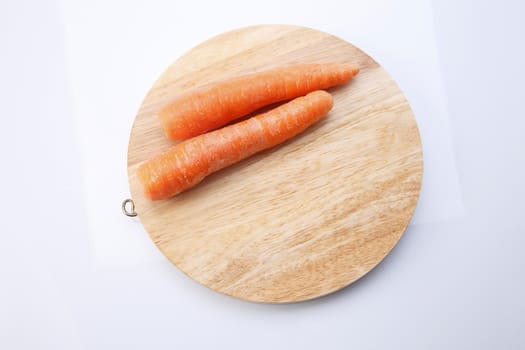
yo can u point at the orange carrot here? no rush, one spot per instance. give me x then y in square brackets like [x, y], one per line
[188, 163]
[214, 105]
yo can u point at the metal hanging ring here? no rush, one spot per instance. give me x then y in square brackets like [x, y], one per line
[131, 212]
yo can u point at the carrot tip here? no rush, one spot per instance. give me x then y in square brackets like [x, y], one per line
[355, 71]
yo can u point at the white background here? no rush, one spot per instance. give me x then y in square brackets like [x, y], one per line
[76, 274]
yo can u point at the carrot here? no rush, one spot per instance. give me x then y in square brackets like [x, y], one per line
[186, 164]
[214, 105]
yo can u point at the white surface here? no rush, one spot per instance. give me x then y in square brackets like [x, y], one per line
[76, 274]
[133, 53]
[129, 57]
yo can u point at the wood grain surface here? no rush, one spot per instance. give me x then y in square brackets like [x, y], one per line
[306, 218]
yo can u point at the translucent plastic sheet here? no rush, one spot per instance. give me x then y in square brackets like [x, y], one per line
[111, 67]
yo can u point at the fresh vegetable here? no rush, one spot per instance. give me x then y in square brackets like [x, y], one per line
[186, 164]
[214, 105]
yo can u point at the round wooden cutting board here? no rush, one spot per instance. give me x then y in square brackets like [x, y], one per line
[306, 218]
